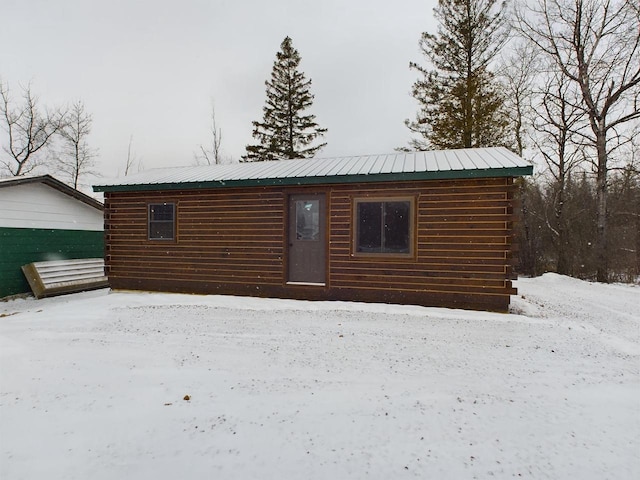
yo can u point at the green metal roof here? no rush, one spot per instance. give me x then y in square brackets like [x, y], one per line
[401, 166]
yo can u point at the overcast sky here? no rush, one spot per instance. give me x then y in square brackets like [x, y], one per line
[149, 68]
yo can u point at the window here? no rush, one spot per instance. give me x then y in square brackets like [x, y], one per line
[308, 220]
[383, 226]
[162, 221]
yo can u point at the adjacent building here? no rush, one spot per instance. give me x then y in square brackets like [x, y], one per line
[41, 219]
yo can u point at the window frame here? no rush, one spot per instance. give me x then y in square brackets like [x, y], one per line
[173, 222]
[411, 254]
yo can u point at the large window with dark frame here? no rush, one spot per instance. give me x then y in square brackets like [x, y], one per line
[162, 221]
[383, 226]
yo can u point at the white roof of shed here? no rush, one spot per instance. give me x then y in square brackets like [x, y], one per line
[460, 163]
[53, 183]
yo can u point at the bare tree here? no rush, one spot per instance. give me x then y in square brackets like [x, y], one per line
[531, 251]
[624, 198]
[596, 45]
[76, 157]
[558, 118]
[29, 129]
[132, 159]
[212, 155]
[518, 73]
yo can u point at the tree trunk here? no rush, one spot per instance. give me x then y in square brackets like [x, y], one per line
[562, 266]
[602, 254]
[468, 115]
[638, 243]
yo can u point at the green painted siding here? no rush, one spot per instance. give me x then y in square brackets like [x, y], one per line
[19, 246]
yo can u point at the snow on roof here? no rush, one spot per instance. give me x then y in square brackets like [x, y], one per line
[460, 163]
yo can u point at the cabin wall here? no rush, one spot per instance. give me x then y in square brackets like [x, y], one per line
[463, 246]
[234, 241]
[227, 241]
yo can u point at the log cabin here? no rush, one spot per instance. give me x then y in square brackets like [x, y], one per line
[427, 228]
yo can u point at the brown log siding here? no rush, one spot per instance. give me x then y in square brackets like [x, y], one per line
[233, 241]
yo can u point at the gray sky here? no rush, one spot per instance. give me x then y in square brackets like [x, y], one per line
[149, 68]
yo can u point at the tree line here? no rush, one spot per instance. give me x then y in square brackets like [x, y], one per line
[556, 81]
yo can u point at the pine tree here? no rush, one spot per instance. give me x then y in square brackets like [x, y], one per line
[461, 102]
[285, 132]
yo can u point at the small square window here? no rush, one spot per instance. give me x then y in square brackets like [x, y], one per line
[162, 221]
[383, 226]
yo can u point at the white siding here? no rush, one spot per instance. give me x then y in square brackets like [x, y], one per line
[36, 205]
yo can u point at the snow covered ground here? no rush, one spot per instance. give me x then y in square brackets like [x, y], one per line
[94, 386]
